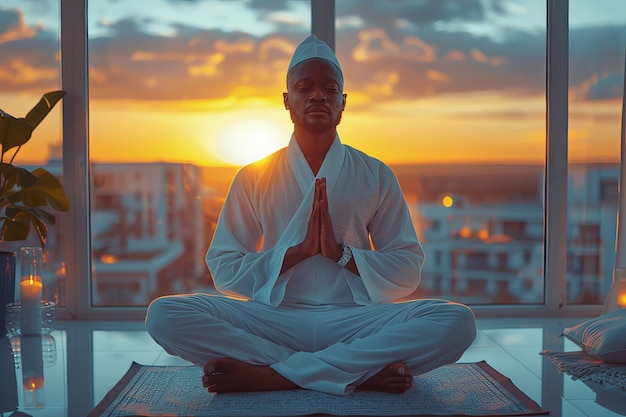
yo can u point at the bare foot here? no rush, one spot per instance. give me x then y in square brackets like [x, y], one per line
[230, 375]
[394, 378]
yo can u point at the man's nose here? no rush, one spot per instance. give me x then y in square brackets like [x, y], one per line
[318, 95]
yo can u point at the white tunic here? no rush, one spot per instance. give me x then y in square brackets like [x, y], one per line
[267, 210]
[318, 325]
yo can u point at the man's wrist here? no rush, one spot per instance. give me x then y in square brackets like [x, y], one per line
[346, 255]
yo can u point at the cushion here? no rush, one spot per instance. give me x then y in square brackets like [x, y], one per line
[603, 337]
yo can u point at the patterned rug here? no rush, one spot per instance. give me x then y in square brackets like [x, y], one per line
[471, 389]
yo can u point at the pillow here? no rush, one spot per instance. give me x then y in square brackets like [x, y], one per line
[603, 338]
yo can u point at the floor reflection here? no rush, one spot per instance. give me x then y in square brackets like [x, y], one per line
[69, 371]
[609, 400]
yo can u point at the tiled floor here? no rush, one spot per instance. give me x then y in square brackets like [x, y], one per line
[83, 360]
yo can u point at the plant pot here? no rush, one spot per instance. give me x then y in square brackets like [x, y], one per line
[7, 286]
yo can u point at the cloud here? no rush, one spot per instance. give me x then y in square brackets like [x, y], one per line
[470, 63]
[387, 57]
[604, 86]
[437, 76]
[13, 26]
[385, 12]
[192, 64]
[19, 73]
[29, 54]
[269, 5]
[597, 63]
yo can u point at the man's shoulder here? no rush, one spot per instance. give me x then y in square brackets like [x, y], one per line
[257, 168]
[367, 160]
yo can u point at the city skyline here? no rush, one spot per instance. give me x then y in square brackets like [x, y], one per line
[484, 247]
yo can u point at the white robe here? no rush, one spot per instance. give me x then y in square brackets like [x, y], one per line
[270, 202]
[318, 324]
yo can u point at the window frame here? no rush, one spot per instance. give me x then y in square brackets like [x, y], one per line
[74, 41]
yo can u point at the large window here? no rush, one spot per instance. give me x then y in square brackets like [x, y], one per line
[451, 94]
[596, 75]
[181, 94]
[453, 98]
[30, 67]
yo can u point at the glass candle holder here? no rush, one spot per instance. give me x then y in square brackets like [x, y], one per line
[31, 287]
[48, 350]
[32, 371]
[14, 317]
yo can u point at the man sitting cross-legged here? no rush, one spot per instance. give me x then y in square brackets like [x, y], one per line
[318, 239]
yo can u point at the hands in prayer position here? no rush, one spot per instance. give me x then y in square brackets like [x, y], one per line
[320, 236]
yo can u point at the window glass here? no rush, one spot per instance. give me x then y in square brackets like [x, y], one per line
[452, 96]
[596, 75]
[29, 68]
[181, 94]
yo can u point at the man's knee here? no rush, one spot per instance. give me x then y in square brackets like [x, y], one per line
[464, 324]
[158, 318]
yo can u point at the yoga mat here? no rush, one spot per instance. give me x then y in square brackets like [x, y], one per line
[470, 389]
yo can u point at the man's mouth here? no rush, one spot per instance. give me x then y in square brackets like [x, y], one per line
[317, 109]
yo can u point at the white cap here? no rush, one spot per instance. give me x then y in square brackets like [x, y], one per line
[311, 48]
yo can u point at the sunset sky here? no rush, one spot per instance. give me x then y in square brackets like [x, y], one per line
[428, 82]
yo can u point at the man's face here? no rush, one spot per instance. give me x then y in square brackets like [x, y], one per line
[314, 97]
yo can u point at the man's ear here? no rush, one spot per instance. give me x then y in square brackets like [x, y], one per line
[345, 96]
[286, 100]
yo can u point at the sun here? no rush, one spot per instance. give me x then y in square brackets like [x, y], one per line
[244, 142]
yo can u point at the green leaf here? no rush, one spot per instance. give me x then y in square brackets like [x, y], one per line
[14, 132]
[17, 131]
[53, 189]
[41, 228]
[17, 225]
[46, 190]
[30, 197]
[25, 178]
[41, 109]
[23, 193]
[10, 174]
[42, 214]
[16, 228]
[13, 212]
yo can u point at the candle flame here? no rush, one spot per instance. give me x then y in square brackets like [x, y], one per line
[621, 300]
[33, 383]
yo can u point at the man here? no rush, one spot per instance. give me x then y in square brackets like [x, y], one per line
[318, 239]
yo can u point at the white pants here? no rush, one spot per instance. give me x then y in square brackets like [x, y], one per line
[331, 349]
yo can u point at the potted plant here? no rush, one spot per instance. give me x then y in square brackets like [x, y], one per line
[25, 195]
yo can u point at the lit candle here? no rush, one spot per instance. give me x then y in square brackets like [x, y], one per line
[32, 370]
[30, 300]
[30, 290]
[33, 382]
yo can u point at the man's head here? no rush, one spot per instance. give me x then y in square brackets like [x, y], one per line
[314, 96]
[312, 48]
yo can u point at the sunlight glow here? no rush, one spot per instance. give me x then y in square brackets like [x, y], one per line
[251, 140]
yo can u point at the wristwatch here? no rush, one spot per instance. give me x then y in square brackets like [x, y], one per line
[347, 255]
